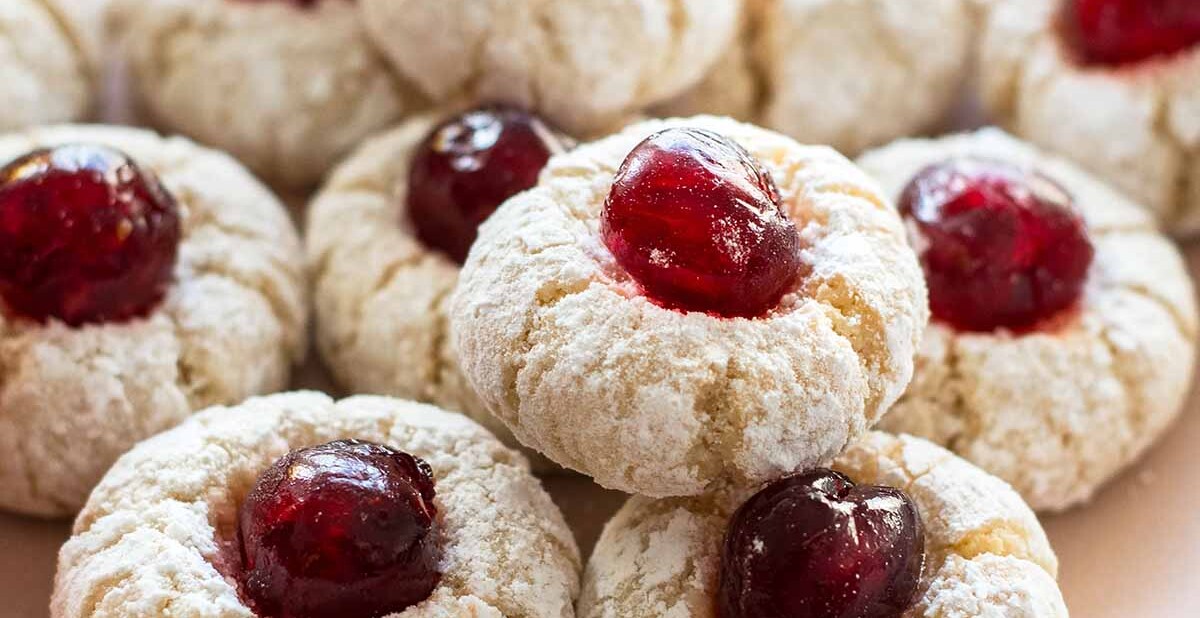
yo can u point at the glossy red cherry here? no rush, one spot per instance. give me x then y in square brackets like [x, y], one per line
[342, 530]
[1002, 247]
[699, 224]
[1115, 32]
[817, 546]
[86, 236]
[470, 165]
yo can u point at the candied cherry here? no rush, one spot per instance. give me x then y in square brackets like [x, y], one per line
[86, 236]
[815, 545]
[1002, 247]
[700, 226]
[1115, 32]
[346, 529]
[471, 164]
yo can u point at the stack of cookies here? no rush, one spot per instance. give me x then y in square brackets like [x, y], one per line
[587, 238]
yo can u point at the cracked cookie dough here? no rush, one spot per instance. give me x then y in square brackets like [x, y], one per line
[381, 294]
[1060, 410]
[47, 73]
[72, 399]
[586, 64]
[561, 344]
[287, 88]
[155, 536]
[1135, 125]
[986, 553]
[852, 74]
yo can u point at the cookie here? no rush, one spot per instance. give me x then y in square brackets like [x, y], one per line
[603, 375]
[385, 255]
[1125, 110]
[210, 307]
[159, 534]
[849, 73]
[985, 552]
[47, 74]
[1059, 403]
[288, 88]
[585, 65]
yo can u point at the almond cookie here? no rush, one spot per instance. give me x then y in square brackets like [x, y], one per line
[387, 235]
[1112, 84]
[688, 302]
[141, 278]
[849, 73]
[585, 64]
[787, 547]
[1064, 324]
[46, 71]
[257, 510]
[287, 87]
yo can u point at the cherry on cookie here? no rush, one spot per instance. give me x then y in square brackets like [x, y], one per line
[468, 166]
[700, 225]
[86, 236]
[345, 529]
[1115, 32]
[815, 545]
[1001, 247]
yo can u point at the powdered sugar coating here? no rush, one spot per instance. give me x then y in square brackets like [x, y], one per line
[381, 295]
[585, 64]
[147, 542]
[73, 399]
[849, 73]
[46, 75]
[287, 89]
[561, 345]
[986, 553]
[1057, 413]
[1136, 127]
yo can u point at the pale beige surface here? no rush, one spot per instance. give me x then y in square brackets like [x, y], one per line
[1135, 551]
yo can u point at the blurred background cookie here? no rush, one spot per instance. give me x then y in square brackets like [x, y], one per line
[286, 87]
[48, 69]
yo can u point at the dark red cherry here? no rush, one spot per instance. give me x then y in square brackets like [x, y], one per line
[86, 236]
[342, 530]
[815, 545]
[1002, 247]
[699, 224]
[470, 165]
[1115, 32]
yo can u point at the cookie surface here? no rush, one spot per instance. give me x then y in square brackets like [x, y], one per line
[585, 64]
[381, 295]
[46, 73]
[1056, 413]
[849, 73]
[73, 399]
[1137, 127]
[560, 344]
[154, 535]
[287, 89]
[986, 553]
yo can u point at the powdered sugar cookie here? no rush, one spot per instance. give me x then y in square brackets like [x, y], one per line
[848, 73]
[387, 236]
[287, 87]
[1065, 325]
[712, 303]
[127, 303]
[585, 65]
[1112, 84]
[787, 548]
[46, 74]
[257, 510]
